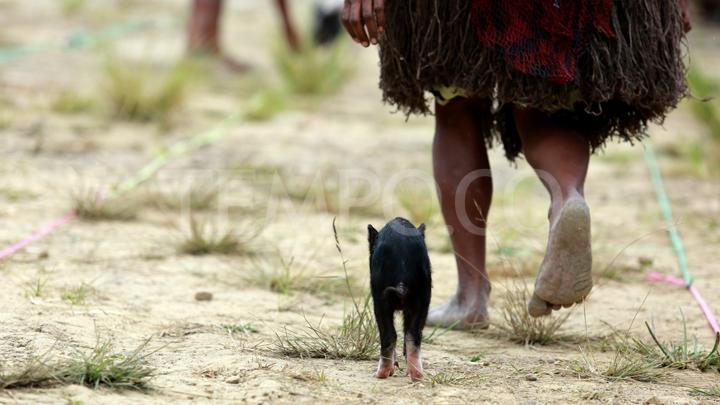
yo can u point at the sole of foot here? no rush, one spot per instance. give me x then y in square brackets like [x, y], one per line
[565, 276]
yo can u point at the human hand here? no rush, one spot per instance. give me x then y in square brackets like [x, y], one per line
[364, 20]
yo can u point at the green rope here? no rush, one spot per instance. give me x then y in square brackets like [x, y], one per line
[666, 209]
[75, 41]
[176, 151]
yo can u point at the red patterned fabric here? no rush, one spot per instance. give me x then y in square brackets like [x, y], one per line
[542, 38]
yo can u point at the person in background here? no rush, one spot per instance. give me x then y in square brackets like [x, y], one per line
[204, 29]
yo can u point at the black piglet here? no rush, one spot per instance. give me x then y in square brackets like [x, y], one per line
[400, 280]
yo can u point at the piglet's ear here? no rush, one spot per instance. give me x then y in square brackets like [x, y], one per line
[421, 228]
[372, 237]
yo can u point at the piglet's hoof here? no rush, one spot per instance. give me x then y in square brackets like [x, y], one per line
[385, 371]
[415, 374]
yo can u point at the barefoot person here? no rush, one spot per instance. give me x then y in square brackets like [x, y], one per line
[204, 28]
[550, 79]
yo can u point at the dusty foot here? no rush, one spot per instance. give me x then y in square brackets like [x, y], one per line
[414, 363]
[462, 314]
[415, 371]
[565, 276]
[386, 367]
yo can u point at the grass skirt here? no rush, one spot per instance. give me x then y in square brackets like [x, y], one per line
[622, 83]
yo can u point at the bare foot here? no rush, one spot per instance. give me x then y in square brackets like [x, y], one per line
[565, 276]
[462, 313]
[386, 367]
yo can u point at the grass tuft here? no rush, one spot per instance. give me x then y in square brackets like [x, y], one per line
[239, 328]
[36, 288]
[100, 367]
[69, 102]
[285, 276]
[264, 105]
[355, 339]
[445, 378]
[313, 70]
[103, 367]
[625, 365]
[315, 376]
[137, 93]
[78, 295]
[684, 355]
[203, 239]
[713, 391]
[91, 205]
[523, 328]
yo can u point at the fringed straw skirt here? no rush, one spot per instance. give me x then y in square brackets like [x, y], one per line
[603, 76]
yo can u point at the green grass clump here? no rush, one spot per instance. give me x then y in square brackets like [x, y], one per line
[139, 93]
[69, 102]
[78, 295]
[36, 288]
[203, 238]
[355, 339]
[523, 328]
[625, 365]
[265, 104]
[683, 355]
[92, 205]
[285, 276]
[445, 378]
[100, 367]
[103, 367]
[713, 391]
[313, 70]
[239, 328]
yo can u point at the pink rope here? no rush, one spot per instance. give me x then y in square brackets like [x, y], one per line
[39, 234]
[656, 277]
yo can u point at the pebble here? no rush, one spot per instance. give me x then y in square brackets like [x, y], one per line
[203, 296]
[486, 363]
[233, 380]
[531, 377]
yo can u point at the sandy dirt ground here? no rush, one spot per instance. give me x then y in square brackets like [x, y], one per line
[137, 286]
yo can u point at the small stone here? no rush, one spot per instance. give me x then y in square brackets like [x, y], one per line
[203, 296]
[233, 380]
[486, 363]
[531, 377]
[654, 401]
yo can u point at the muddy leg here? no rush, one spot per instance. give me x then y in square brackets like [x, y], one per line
[462, 173]
[560, 157]
[413, 324]
[388, 340]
